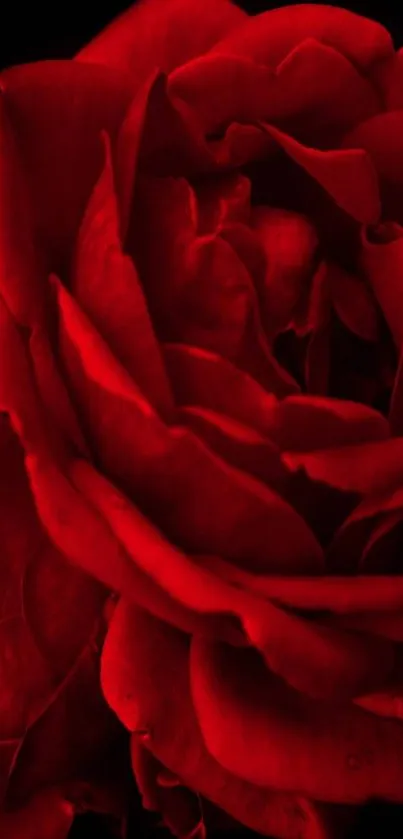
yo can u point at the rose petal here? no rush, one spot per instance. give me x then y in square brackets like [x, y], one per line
[53, 390]
[348, 656]
[179, 806]
[57, 110]
[222, 202]
[290, 242]
[75, 731]
[66, 515]
[176, 480]
[310, 423]
[226, 88]
[21, 283]
[136, 677]
[382, 266]
[48, 815]
[353, 303]
[390, 77]
[341, 595]
[388, 704]
[364, 469]
[160, 33]
[268, 37]
[268, 734]
[396, 402]
[237, 444]
[347, 175]
[199, 290]
[203, 378]
[379, 138]
[107, 286]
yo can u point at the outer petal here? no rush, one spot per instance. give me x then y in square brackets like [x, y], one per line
[147, 680]
[57, 110]
[267, 734]
[161, 33]
[268, 37]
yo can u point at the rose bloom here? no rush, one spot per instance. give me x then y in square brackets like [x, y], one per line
[201, 429]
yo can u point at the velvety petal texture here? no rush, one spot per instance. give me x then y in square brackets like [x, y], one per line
[201, 424]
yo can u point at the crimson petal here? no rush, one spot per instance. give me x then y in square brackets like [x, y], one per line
[160, 33]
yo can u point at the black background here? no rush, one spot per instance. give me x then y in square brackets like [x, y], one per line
[36, 31]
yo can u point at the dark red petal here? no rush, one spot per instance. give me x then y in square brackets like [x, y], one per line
[237, 444]
[312, 80]
[200, 377]
[199, 290]
[261, 730]
[75, 731]
[222, 203]
[310, 423]
[380, 138]
[57, 110]
[390, 78]
[365, 469]
[138, 682]
[274, 632]
[353, 303]
[388, 704]
[106, 284]
[268, 37]
[347, 175]
[48, 808]
[52, 389]
[396, 402]
[342, 595]
[382, 264]
[161, 33]
[290, 242]
[20, 279]
[163, 792]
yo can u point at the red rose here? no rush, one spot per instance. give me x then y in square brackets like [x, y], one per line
[201, 309]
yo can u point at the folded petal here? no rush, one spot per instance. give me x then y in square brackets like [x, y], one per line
[365, 469]
[268, 37]
[264, 732]
[137, 680]
[161, 33]
[347, 175]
